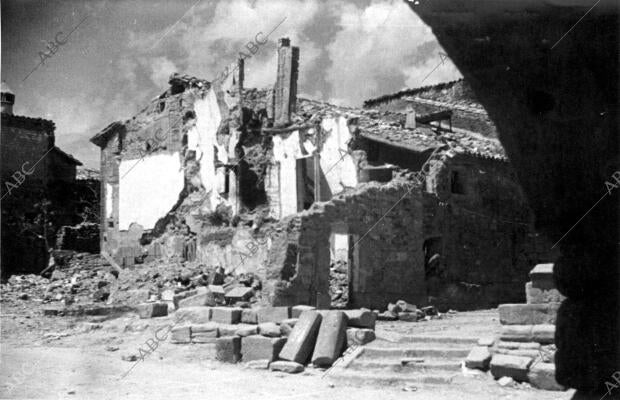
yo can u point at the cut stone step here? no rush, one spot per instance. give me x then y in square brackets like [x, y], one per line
[409, 352]
[354, 377]
[392, 364]
[428, 339]
[420, 345]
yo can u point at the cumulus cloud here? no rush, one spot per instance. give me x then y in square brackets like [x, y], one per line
[382, 48]
[349, 51]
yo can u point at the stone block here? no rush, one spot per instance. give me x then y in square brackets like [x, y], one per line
[406, 307]
[387, 316]
[486, 341]
[359, 336]
[541, 296]
[246, 330]
[528, 314]
[361, 318]
[257, 347]
[226, 315]
[289, 367]
[180, 334]
[478, 358]
[297, 310]
[513, 366]
[408, 316]
[273, 314]
[330, 339]
[542, 276]
[519, 352]
[217, 289]
[228, 349]
[218, 292]
[542, 376]
[228, 329]
[249, 316]
[152, 310]
[518, 345]
[204, 337]
[204, 333]
[544, 333]
[257, 364]
[300, 343]
[193, 315]
[516, 333]
[240, 293]
[188, 293]
[201, 299]
[270, 329]
[207, 327]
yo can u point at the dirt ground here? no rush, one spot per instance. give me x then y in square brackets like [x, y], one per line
[81, 358]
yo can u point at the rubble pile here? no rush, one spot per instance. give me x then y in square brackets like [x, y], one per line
[75, 277]
[403, 311]
[339, 284]
[277, 338]
[82, 278]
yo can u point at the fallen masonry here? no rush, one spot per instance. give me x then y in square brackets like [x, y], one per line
[525, 349]
[317, 336]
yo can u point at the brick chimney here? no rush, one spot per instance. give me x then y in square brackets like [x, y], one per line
[286, 83]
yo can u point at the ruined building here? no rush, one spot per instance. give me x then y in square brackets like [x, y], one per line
[38, 189]
[263, 182]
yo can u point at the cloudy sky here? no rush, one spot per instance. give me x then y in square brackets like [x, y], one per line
[123, 52]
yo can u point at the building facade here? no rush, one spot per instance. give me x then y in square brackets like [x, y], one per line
[35, 174]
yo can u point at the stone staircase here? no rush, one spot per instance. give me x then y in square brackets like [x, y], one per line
[406, 360]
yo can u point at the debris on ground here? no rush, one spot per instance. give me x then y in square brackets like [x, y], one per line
[404, 311]
[339, 283]
[81, 279]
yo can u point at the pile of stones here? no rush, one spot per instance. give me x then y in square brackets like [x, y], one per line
[525, 349]
[276, 338]
[403, 311]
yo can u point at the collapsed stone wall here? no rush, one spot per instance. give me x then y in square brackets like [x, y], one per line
[387, 260]
[191, 152]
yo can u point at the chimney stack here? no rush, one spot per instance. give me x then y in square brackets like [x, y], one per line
[286, 83]
[410, 121]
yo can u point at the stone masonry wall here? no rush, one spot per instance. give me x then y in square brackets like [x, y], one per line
[485, 235]
[387, 261]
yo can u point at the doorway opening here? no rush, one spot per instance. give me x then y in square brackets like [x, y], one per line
[339, 269]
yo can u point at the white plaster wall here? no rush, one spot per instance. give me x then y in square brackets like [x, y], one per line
[109, 205]
[338, 173]
[148, 189]
[286, 151]
[202, 139]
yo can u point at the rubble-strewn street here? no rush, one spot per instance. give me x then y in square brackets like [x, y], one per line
[84, 355]
[384, 199]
